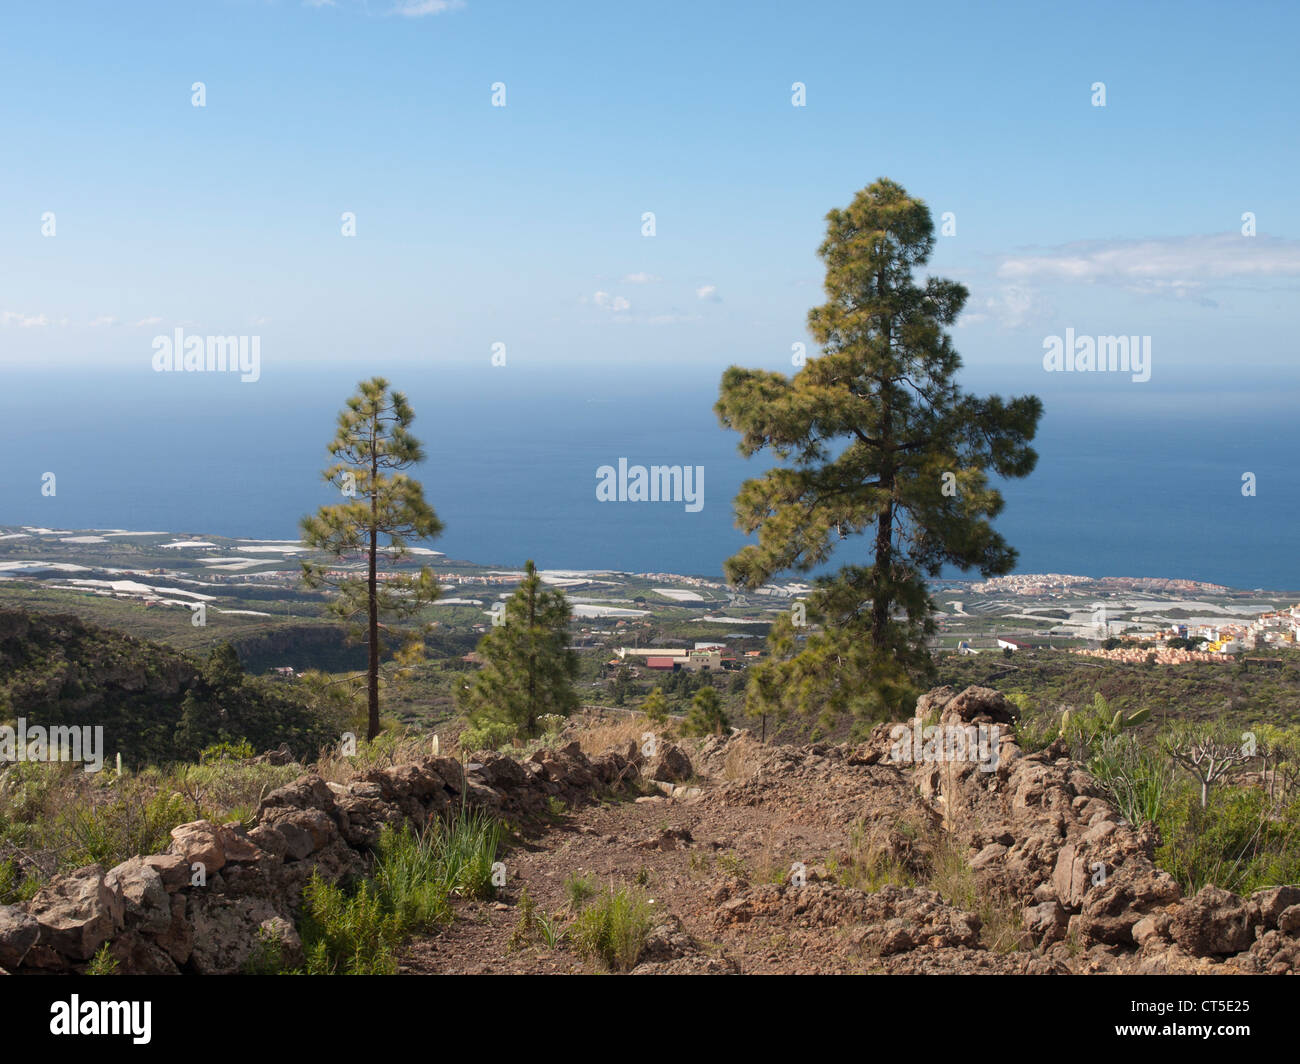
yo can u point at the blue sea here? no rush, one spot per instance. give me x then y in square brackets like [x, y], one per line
[1130, 482]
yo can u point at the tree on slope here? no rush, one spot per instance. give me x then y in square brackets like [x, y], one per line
[528, 669]
[874, 438]
[385, 511]
[706, 715]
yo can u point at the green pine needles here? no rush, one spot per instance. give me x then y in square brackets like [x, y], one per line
[873, 438]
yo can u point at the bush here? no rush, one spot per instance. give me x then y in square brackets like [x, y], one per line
[1138, 781]
[348, 935]
[132, 823]
[409, 890]
[1235, 843]
[467, 849]
[239, 750]
[706, 716]
[614, 929]
[490, 735]
[102, 963]
[411, 879]
[655, 707]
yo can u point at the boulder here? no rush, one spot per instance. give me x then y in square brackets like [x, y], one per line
[145, 901]
[226, 932]
[77, 912]
[980, 705]
[670, 764]
[201, 842]
[1273, 902]
[1215, 922]
[171, 869]
[304, 830]
[19, 932]
[178, 939]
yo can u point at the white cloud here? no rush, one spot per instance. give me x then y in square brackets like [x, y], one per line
[155, 320]
[103, 319]
[419, 8]
[1172, 265]
[609, 302]
[23, 321]
[641, 278]
[1011, 306]
[709, 292]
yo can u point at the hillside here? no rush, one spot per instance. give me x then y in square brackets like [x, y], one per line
[155, 704]
[722, 855]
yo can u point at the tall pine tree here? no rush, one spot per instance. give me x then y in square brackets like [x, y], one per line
[386, 511]
[874, 438]
[528, 670]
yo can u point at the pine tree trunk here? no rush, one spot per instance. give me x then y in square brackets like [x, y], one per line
[372, 667]
[532, 662]
[884, 563]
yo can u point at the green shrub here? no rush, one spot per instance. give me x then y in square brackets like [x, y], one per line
[239, 750]
[411, 878]
[467, 849]
[131, 823]
[614, 929]
[346, 934]
[14, 886]
[1238, 842]
[490, 735]
[102, 963]
[706, 715]
[1139, 781]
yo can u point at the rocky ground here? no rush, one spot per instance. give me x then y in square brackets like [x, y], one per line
[758, 859]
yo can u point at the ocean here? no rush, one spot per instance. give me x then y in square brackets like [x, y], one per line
[1130, 481]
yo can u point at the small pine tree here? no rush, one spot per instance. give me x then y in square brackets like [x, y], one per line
[706, 716]
[655, 707]
[528, 668]
[371, 448]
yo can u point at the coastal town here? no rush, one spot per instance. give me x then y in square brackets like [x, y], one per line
[648, 622]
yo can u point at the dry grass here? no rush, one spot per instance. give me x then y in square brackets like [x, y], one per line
[598, 735]
[880, 853]
[743, 759]
[391, 748]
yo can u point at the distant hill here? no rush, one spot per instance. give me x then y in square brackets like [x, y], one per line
[155, 704]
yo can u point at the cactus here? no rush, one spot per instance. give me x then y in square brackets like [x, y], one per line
[1100, 721]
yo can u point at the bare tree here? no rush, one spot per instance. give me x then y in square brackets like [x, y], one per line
[1207, 752]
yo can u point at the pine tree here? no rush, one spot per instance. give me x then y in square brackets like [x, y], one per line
[874, 439]
[706, 716]
[528, 668]
[385, 512]
[655, 707]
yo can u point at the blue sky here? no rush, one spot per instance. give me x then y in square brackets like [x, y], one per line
[522, 225]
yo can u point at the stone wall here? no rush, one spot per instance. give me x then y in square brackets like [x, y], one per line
[202, 906]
